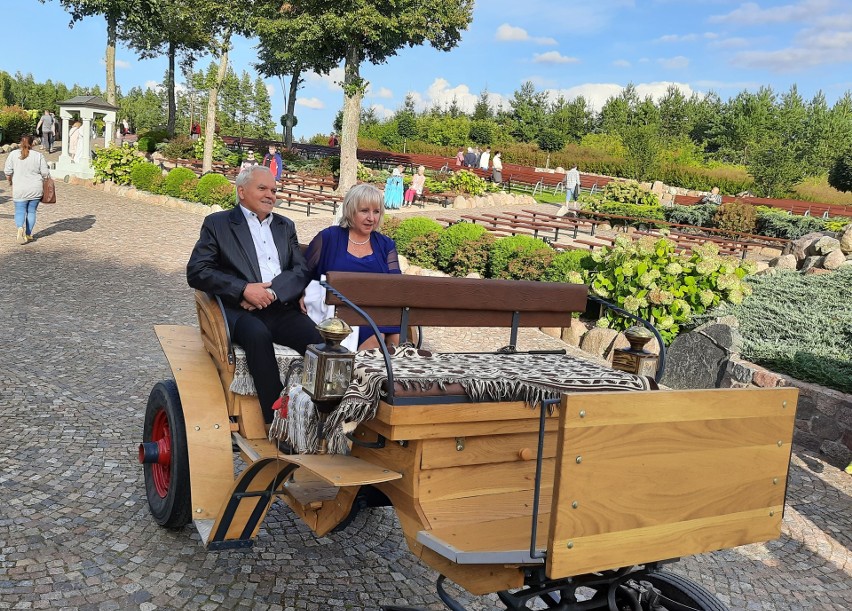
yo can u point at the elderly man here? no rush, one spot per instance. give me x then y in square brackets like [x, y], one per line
[251, 258]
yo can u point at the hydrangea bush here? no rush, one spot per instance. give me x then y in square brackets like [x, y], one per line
[649, 279]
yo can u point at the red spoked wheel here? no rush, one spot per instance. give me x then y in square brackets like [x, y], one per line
[163, 454]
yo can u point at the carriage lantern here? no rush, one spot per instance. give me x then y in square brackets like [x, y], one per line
[328, 366]
[636, 359]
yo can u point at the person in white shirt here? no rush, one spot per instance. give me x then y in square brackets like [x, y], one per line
[484, 159]
[26, 170]
[572, 191]
[251, 259]
[497, 168]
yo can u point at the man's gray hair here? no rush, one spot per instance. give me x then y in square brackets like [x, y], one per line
[355, 196]
[246, 173]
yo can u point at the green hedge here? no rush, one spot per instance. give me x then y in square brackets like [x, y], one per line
[15, 122]
[145, 176]
[173, 185]
[208, 185]
[519, 257]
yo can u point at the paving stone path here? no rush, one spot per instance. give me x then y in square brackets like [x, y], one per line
[77, 359]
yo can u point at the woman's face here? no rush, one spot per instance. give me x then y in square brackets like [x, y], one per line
[367, 216]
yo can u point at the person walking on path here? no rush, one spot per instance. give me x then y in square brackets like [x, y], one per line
[45, 126]
[572, 191]
[26, 170]
[497, 169]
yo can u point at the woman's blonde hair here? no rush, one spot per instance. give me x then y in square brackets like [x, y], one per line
[357, 195]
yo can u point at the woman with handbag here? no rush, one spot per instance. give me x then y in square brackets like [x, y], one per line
[26, 171]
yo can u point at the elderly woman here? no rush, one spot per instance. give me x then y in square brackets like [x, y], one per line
[355, 245]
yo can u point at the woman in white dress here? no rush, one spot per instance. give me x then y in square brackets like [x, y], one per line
[75, 142]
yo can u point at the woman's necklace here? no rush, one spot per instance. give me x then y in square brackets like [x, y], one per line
[359, 243]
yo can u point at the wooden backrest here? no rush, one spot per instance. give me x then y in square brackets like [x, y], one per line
[214, 332]
[456, 302]
[667, 474]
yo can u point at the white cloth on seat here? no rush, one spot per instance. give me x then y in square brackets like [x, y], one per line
[243, 384]
[319, 310]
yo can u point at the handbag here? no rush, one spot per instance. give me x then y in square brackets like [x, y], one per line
[48, 195]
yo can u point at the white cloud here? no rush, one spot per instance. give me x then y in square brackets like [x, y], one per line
[751, 14]
[677, 38]
[554, 57]
[730, 43]
[382, 112]
[621, 63]
[596, 94]
[152, 85]
[510, 33]
[314, 103]
[674, 63]
[383, 93]
[440, 93]
[331, 80]
[270, 90]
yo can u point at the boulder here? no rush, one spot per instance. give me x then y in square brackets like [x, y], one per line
[403, 263]
[460, 202]
[414, 270]
[475, 275]
[599, 341]
[573, 335]
[759, 266]
[699, 359]
[811, 262]
[834, 259]
[815, 271]
[784, 262]
[769, 251]
[846, 240]
[658, 188]
[824, 245]
[604, 227]
[801, 245]
[554, 332]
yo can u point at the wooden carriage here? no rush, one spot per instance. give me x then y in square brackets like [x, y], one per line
[593, 489]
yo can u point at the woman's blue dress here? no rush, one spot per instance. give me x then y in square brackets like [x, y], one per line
[393, 193]
[328, 252]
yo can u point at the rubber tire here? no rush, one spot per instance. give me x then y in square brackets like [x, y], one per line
[175, 509]
[685, 591]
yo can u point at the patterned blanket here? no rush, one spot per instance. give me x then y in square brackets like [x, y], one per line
[484, 377]
[243, 384]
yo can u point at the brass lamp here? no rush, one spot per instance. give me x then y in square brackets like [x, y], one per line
[636, 359]
[328, 366]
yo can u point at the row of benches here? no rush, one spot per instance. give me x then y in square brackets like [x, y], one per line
[791, 206]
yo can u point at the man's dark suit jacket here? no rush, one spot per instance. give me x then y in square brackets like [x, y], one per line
[224, 260]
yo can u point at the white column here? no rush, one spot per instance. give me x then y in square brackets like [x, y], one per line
[87, 140]
[109, 127]
[65, 128]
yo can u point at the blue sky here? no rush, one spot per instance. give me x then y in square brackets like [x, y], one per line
[569, 47]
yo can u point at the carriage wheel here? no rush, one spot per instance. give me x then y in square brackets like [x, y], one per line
[163, 453]
[684, 591]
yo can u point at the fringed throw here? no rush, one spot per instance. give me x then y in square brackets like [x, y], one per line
[243, 384]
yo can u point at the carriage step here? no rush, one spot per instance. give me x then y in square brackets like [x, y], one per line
[340, 471]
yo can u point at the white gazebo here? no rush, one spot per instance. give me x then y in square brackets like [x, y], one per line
[86, 106]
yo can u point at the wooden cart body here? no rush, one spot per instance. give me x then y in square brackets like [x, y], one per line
[625, 478]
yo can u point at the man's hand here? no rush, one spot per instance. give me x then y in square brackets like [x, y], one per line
[256, 295]
[302, 305]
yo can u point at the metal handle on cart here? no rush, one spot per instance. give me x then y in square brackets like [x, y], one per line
[544, 408]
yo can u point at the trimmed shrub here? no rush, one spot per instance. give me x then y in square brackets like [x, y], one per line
[777, 223]
[466, 182]
[736, 216]
[224, 196]
[175, 179]
[187, 189]
[452, 239]
[144, 175]
[420, 249]
[519, 257]
[632, 210]
[569, 266]
[649, 279]
[472, 256]
[810, 343]
[179, 147]
[207, 184]
[115, 163]
[146, 144]
[700, 215]
[390, 225]
[410, 228]
[14, 123]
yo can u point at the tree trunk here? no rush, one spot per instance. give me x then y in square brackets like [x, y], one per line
[112, 25]
[291, 107]
[210, 128]
[170, 90]
[353, 91]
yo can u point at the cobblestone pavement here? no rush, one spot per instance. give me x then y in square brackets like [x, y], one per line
[78, 357]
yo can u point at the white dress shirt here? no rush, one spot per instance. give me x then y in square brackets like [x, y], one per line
[264, 245]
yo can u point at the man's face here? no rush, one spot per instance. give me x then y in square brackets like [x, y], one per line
[258, 194]
[272, 150]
